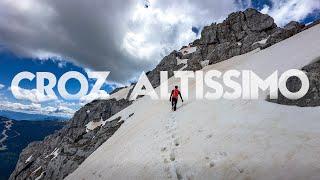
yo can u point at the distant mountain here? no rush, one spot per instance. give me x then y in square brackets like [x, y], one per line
[26, 116]
[16, 135]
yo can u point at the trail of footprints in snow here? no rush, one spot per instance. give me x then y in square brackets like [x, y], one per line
[169, 149]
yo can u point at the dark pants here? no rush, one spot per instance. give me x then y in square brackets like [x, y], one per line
[174, 102]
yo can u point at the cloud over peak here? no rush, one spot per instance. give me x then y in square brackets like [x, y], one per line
[122, 36]
[284, 11]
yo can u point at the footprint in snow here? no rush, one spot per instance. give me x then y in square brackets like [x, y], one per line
[163, 149]
[172, 156]
[165, 160]
[240, 170]
[176, 142]
[223, 153]
[211, 164]
[209, 136]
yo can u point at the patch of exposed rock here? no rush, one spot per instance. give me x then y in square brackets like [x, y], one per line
[312, 98]
[280, 34]
[238, 34]
[168, 63]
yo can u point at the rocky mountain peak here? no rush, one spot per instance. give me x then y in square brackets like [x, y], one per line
[61, 153]
[239, 33]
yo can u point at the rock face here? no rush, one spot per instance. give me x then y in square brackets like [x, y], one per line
[62, 152]
[312, 98]
[236, 35]
[168, 63]
[240, 33]
[280, 34]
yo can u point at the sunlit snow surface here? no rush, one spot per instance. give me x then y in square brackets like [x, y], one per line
[221, 139]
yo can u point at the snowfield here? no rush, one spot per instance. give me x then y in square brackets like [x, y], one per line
[221, 139]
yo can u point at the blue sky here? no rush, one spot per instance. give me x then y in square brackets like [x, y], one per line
[123, 37]
[11, 65]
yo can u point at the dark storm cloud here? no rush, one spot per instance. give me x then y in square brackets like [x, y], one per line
[89, 32]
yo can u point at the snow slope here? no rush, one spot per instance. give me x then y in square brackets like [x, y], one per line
[221, 139]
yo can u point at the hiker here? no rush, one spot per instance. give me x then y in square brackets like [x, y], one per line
[174, 97]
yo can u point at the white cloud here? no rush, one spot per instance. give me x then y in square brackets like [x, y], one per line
[155, 32]
[32, 95]
[36, 108]
[20, 107]
[58, 110]
[167, 25]
[2, 86]
[284, 11]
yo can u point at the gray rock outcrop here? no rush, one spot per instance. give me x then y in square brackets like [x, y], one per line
[240, 33]
[312, 98]
[236, 35]
[280, 34]
[168, 63]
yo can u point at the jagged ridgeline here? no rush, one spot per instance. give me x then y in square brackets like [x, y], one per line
[62, 152]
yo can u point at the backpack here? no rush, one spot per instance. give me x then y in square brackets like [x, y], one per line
[175, 93]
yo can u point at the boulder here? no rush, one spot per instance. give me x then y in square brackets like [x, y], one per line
[294, 27]
[257, 21]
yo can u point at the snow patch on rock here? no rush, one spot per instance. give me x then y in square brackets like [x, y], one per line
[93, 124]
[53, 154]
[263, 41]
[29, 159]
[204, 63]
[188, 50]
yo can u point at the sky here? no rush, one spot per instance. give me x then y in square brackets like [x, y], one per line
[124, 37]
